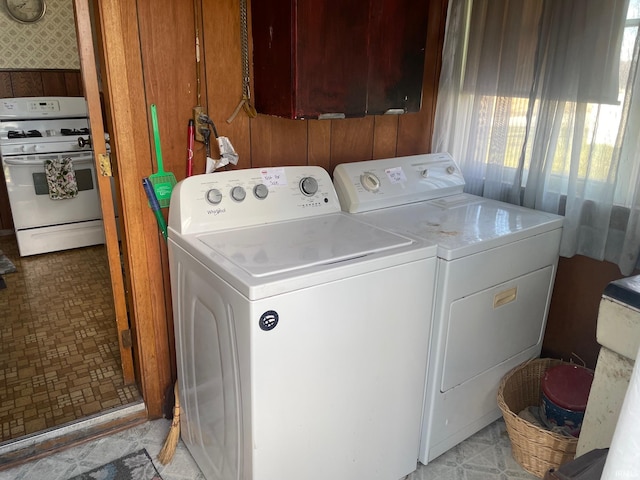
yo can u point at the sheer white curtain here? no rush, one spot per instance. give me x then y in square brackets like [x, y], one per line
[539, 102]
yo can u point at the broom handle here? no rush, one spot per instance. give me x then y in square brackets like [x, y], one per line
[156, 137]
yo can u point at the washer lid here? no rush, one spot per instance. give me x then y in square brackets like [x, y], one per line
[283, 247]
[464, 224]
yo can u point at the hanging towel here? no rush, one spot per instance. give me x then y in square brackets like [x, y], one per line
[61, 179]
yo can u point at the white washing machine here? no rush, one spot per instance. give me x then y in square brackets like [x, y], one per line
[496, 267]
[301, 334]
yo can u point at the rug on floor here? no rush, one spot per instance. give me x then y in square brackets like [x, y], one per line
[135, 466]
[6, 265]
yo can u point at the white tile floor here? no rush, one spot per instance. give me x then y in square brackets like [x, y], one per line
[484, 456]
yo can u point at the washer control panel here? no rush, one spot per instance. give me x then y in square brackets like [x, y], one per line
[374, 184]
[238, 198]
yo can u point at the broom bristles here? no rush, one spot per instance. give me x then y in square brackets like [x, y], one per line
[171, 442]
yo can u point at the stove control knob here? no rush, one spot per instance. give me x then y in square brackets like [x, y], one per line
[451, 169]
[309, 186]
[370, 182]
[37, 148]
[238, 193]
[84, 142]
[23, 148]
[261, 191]
[213, 196]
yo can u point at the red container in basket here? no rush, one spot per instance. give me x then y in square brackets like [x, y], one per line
[565, 391]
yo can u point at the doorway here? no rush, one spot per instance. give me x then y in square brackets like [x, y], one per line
[61, 356]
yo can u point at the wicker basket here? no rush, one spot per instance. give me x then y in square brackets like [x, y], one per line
[534, 448]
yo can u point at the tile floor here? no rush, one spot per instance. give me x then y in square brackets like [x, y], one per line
[59, 362]
[59, 355]
[484, 456]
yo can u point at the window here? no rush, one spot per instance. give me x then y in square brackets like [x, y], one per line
[536, 103]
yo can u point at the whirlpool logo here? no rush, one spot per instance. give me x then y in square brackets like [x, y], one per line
[216, 211]
[269, 320]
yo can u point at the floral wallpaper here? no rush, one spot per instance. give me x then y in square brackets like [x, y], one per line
[48, 43]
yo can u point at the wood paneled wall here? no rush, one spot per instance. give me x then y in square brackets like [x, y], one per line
[150, 58]
[33, 83]
[573, 315]
[271, 141]
[39, 83]
[170, 82]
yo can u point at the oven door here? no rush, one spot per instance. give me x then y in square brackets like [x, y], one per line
[29, 195]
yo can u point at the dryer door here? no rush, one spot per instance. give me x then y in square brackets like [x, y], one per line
[493, 325]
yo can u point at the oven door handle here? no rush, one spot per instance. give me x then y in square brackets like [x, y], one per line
[27, 163]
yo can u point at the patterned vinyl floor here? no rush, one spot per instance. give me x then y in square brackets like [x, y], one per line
[59, 355]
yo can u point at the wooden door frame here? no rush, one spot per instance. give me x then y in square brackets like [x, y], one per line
[143, 247]
[104, 179]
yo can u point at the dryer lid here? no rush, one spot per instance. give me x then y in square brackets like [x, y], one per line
[284, 247]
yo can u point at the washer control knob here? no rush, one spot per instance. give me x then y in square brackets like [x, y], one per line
[370, 182]
[213, 196]
[309, 186]
[261, 191]
[238, 193]
[424, 173]
[451, 169]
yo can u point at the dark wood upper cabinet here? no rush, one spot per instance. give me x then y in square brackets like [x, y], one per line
[319, 58]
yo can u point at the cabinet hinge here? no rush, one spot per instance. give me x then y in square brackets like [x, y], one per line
[126, 338]
[105, 165]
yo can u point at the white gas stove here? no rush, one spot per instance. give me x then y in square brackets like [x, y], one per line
[34, 133]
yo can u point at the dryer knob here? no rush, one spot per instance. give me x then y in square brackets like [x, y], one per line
[261, 191]
[309, 186]
[424, 173]
[370, 182]
[213, 196]
[451, 169]
[238, 193]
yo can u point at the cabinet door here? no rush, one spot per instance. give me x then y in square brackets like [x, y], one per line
[396, 55]
[273, 64]
[310, 57]
[331, 57]
[351, 58]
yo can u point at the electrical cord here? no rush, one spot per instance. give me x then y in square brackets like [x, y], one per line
[205, 119]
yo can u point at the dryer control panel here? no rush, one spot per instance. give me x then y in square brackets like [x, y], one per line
[389, 182]
[245, 197]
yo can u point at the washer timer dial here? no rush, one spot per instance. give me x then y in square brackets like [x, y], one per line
[309, 186]
[261, 191]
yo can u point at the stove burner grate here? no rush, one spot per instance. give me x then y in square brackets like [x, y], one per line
[23, 134]
[75, 131]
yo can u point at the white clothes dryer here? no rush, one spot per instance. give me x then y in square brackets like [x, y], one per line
[496, 268]
[301, 334]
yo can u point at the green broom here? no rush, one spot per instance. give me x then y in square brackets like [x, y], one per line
[163, 182]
